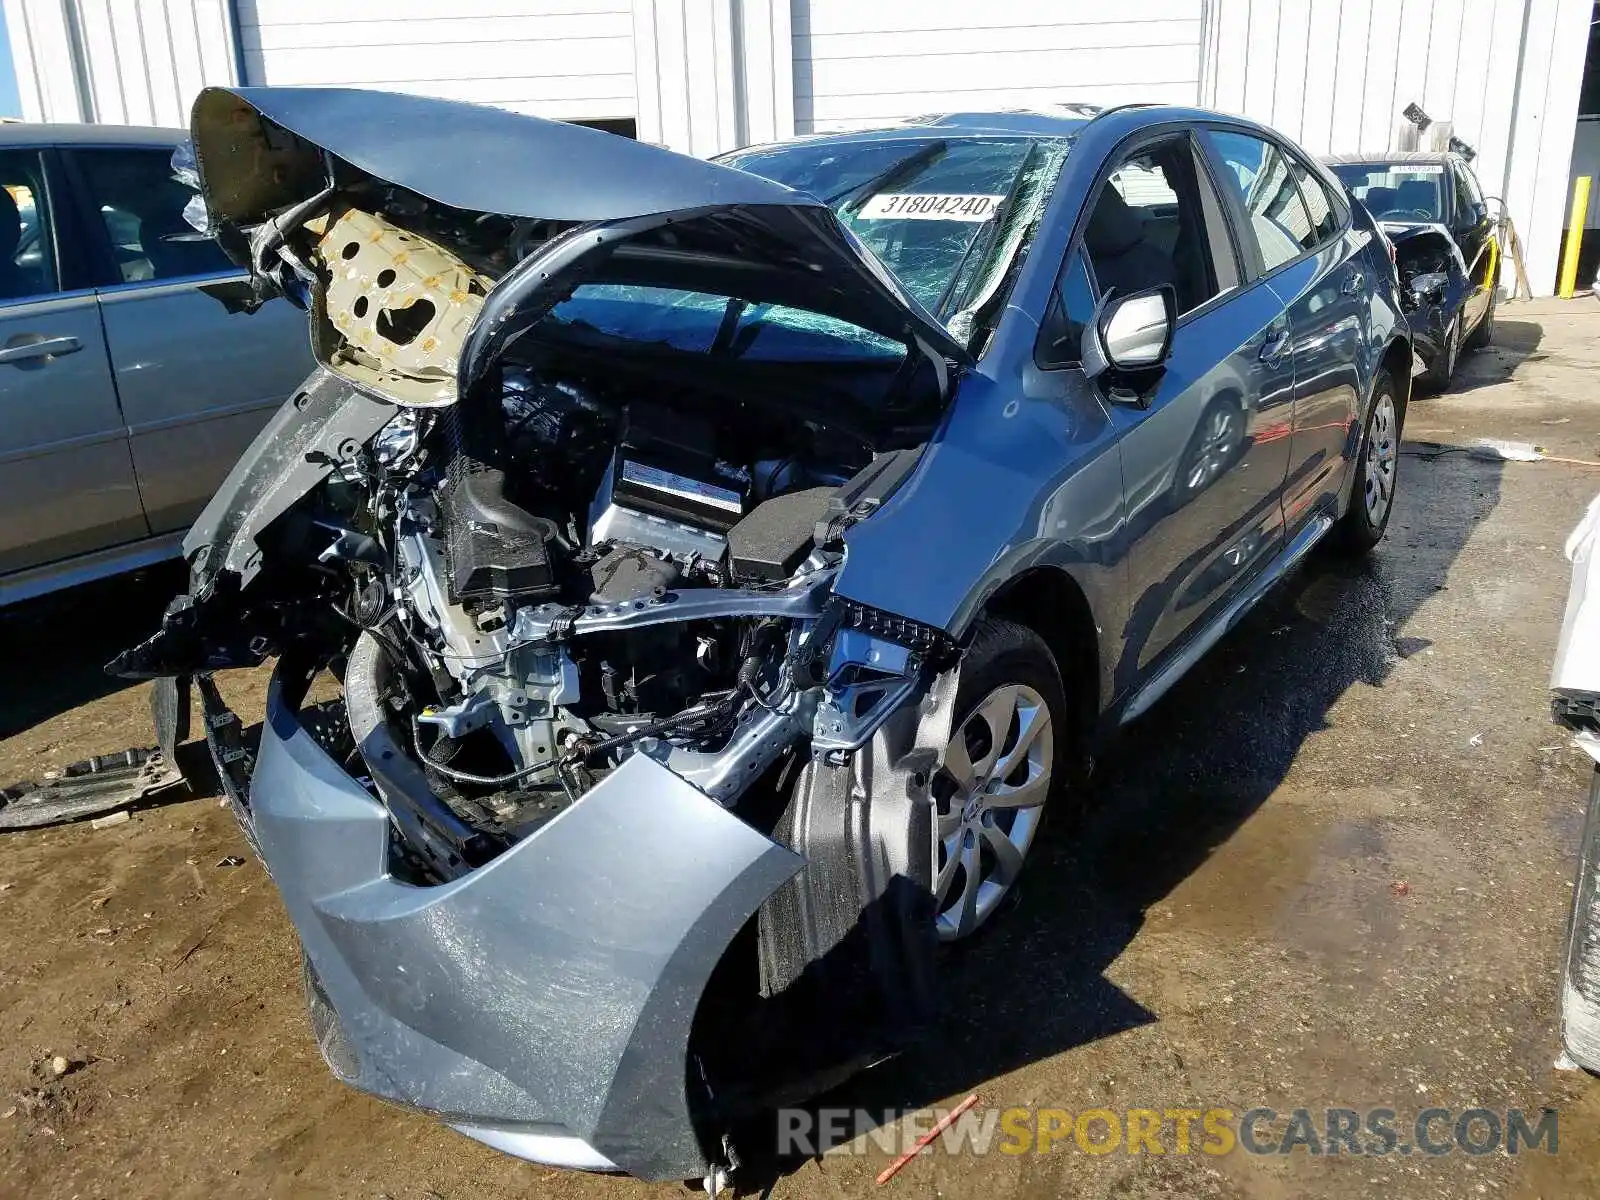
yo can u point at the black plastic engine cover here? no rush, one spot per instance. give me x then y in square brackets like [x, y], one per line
[495, 548]
[774, 538]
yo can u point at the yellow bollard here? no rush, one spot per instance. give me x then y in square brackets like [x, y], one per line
[1569, 260]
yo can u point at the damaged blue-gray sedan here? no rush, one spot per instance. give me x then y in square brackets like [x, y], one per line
[726, 566]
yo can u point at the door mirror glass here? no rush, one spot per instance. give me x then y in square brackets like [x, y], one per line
[1131, 332]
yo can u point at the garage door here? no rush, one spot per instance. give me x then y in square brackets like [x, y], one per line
[858, 64]
[568, 59]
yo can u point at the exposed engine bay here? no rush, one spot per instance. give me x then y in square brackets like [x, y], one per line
[1427, 258]
[575, 559]
[578, 574]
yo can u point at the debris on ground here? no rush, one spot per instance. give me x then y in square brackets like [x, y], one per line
[1495, 450]
[1400, 887]
[923, 1142]
[232, 860]
[108, 822]
[92, 787]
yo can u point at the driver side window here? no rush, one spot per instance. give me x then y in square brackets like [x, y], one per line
[1148, 227]
[1154, 221]
[27, 250]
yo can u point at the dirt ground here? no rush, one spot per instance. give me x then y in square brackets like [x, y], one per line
[1331, 868]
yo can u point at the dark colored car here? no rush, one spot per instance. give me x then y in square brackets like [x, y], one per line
[728, 565]
[1446, 244]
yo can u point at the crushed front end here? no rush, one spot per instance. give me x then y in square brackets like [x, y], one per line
[582, 861]
[1433, 286]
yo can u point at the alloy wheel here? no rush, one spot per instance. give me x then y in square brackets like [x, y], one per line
[991, 792]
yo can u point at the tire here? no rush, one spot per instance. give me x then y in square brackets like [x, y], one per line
[1363, 524]
[1437, 377]
[1484, 333]
[981, 835]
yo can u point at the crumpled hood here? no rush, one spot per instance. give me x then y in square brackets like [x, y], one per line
[262, 151]
[1399, 231]
[1404, 233]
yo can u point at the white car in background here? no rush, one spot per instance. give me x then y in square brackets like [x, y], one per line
[1575, 703]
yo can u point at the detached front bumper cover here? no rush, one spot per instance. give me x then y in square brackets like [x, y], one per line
[541, 1003]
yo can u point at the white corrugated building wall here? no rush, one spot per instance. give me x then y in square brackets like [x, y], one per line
[707, 75]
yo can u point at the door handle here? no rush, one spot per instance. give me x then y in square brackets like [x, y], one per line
[1353, 283]
[44, 347]
[1272, 349]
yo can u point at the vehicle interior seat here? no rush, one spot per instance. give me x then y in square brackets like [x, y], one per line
[1417, 195]
[15, 281]
[1379, 200]
[1123, 257]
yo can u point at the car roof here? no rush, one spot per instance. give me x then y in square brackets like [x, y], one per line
[1057, 121]
[1414, 157]
[22, 133]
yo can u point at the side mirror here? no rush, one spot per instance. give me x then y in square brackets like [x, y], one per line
[1131, 332]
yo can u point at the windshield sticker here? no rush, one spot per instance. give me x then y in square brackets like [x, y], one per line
[1414, 169]
[930, 206]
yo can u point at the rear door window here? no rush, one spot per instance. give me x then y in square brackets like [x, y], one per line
[139, 206]
[1277, 218]
[1326, 220]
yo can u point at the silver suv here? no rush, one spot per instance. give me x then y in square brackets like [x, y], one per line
[130, 376]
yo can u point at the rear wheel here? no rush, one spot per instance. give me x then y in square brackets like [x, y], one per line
[1377, 471]
[1007, 752]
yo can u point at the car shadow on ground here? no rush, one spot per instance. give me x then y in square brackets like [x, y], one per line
[53, 650]
[1515, 342]
[1170, 790]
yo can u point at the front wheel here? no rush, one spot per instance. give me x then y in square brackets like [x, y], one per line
[1007, 751]
[1377, 471]
[1438, 375]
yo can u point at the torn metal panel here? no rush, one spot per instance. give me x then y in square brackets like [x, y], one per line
[262, 151]
[847, 947]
